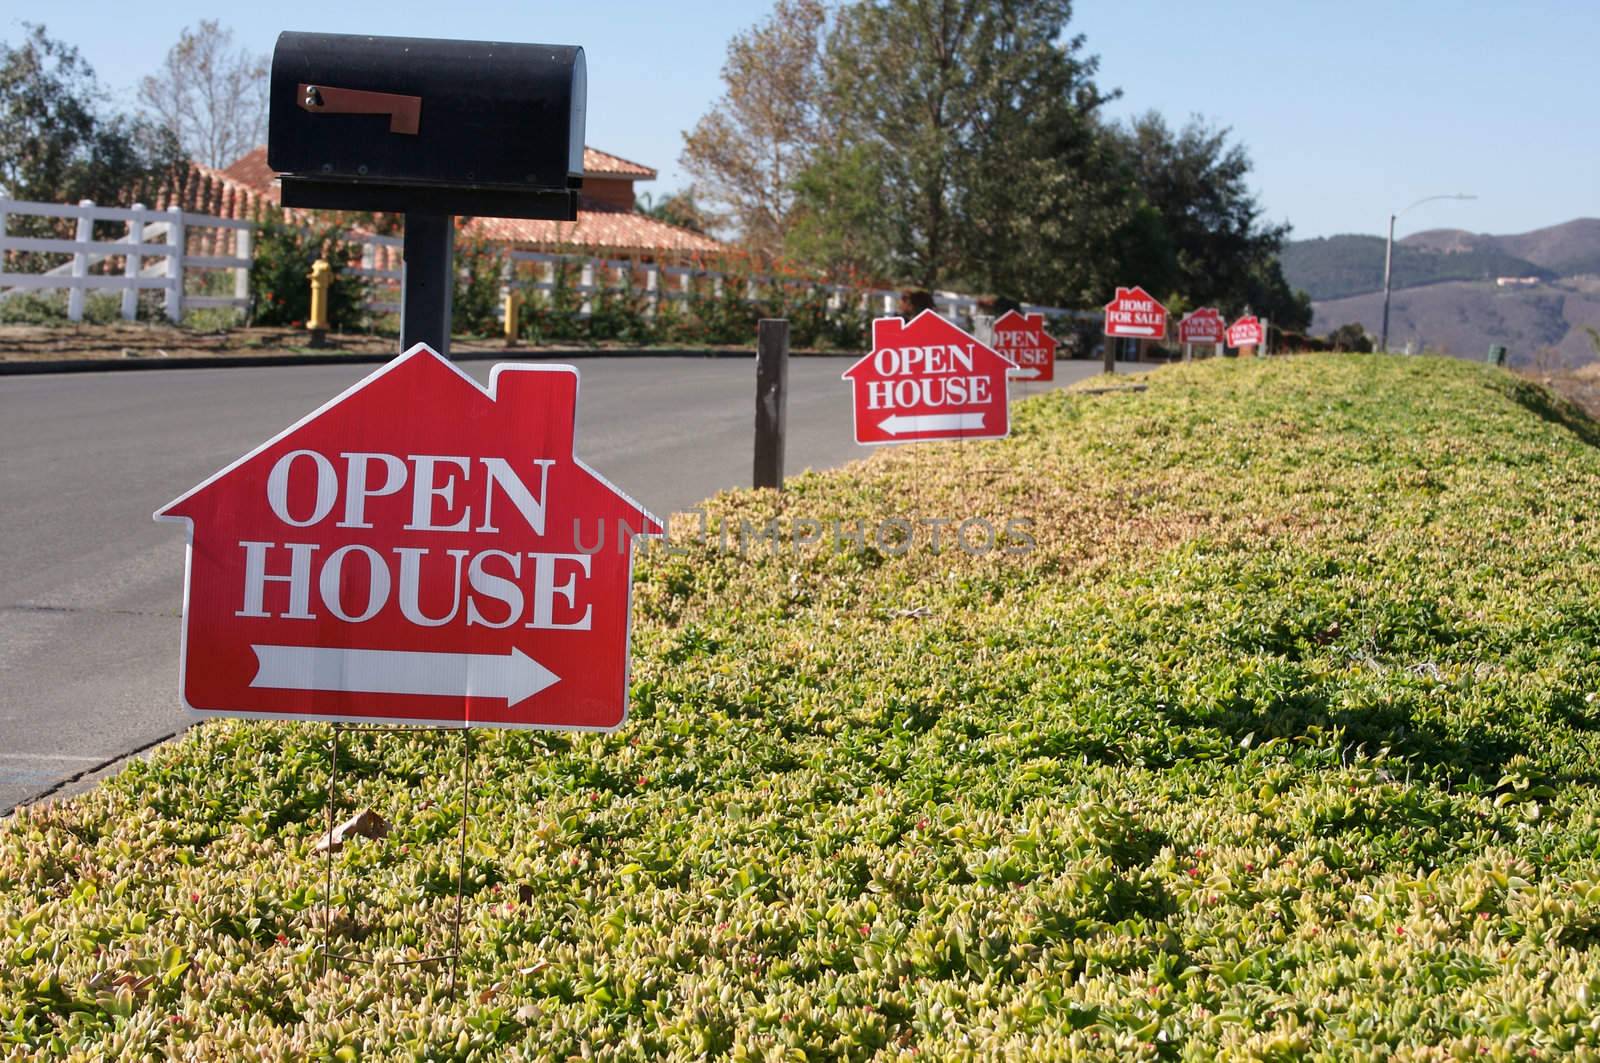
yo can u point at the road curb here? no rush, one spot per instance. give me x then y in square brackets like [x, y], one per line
[245, 361]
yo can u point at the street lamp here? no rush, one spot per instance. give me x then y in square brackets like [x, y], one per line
[1388, 260]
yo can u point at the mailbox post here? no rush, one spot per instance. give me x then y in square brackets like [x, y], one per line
[430, 129]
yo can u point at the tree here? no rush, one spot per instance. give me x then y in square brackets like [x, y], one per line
[678, 208]
[966, 114]
[837, 227]
[58, 144]
[210, 97]
[1222, 251]
[1351, 337]
[746, 152]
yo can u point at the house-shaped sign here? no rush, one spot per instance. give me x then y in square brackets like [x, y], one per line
[418, 550]
[1022, 338]
[1246, 332]
[1135, 313]
[1202, 325]
[928, 380]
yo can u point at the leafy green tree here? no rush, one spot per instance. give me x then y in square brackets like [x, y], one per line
[59, 144]
[680, 209]
[1268, 295]
[949, 107]
[837, 226]
[1219, 249]
[1351, 337]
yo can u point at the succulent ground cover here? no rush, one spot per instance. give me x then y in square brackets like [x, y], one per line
[1281, 741]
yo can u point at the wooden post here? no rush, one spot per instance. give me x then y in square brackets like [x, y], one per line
[1266, 337]
[772, 400]
[132, 263]
[1110, 346]
[176, 244]
[1188, 352]
[80, 261]
[243, 247]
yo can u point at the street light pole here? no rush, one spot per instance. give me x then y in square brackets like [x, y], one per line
[1388, 261]
[1388, 269]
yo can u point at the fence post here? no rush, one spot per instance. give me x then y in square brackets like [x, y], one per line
[772, 400]
[983, 329]
[132, 263]
[175, 241]
[80, 261]
[243, 247]
[586, 283]
[652, 289]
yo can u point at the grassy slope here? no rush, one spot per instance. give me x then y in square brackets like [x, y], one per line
[1282, 741]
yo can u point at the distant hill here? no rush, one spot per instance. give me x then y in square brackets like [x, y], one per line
[1332, 267]
[1538, 325]
[1445, 290]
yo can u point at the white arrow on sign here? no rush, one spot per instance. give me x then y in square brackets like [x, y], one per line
[1135, 330]
[514, 676]
[931, 422]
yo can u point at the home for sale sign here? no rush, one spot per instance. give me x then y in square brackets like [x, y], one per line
[419, 550]
[1135, 314]
[928, 380]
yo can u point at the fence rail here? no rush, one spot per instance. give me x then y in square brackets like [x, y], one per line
[180, 241]
[177, 230]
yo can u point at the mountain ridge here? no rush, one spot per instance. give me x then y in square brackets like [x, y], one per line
[1346, 264]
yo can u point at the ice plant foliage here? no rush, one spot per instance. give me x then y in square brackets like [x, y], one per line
[1280, 742]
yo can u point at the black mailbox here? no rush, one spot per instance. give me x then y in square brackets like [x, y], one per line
[429, 126]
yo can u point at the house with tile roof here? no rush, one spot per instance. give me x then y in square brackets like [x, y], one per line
[608, 223]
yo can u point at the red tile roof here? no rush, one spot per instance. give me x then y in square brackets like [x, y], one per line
[604, 164]
[252, 169]
[604, 231]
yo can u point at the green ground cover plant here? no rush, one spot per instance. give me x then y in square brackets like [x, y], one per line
[1281, 742]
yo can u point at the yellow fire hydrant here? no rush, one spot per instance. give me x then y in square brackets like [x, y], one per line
[321, 277]
[512, 312]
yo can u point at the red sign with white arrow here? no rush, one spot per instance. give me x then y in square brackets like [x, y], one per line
[928, 380]
[1135, 314]
[1245, 332]
[1022, 338]
[419, 550]
[1202, 325]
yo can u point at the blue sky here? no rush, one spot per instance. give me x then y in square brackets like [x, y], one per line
[1349, 109]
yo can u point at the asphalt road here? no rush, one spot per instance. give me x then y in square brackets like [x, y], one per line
[90, 587]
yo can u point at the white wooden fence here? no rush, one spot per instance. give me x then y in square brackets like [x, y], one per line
[123, 264]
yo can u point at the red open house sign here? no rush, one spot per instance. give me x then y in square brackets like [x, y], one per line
[1246, 332]
[1202, 325]
[1022, 338]
[419, 550]
[928, 380]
